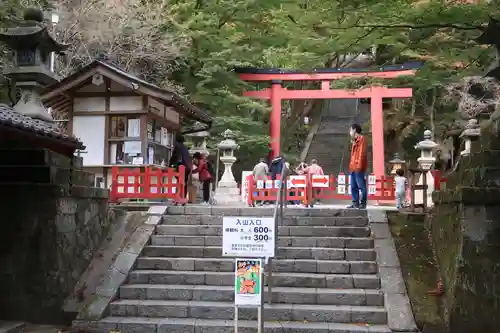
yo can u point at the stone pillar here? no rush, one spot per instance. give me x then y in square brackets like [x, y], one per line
[425, 162]
[227, 191]
[465, 230]
[199, 141]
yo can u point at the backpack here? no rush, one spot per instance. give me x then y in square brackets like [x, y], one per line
[210, 168]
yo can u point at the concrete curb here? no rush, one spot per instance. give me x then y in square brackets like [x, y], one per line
[399, 313]
[118, 271]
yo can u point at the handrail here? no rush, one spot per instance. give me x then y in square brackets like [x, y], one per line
[278, 220]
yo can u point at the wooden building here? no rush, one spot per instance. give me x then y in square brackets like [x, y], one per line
[120, 118]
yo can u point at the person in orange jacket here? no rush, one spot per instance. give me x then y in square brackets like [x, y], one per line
[357, 167]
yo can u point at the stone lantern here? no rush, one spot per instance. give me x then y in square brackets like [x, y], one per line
[227, 191]
[397, 163]
[199, 140]
[425, 162]
[32, 45]
[426, 147]
[471, 133]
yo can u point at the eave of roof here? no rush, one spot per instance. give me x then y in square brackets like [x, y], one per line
[191, 110]
[15, 120]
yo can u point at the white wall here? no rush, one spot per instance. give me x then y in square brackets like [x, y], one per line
[86, 104]
[90, 130]
[129, 103]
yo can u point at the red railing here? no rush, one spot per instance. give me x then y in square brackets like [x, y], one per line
[305, 189]
[147, 183]
[267, 190]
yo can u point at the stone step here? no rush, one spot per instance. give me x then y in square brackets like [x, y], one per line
[357, 221]
[12, 326]
[302, 280]
[279, 295]
[335, 242]
[272, 312]
[192, 325]
[280, 265]
[317, 253]
[313, 231]
[264, 211]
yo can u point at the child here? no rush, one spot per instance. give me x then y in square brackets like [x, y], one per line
[400, 184]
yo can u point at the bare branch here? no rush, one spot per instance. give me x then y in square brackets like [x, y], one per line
[129, 33]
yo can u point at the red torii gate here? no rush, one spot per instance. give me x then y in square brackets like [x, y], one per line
[277, 93]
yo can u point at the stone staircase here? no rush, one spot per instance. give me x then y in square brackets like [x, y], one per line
[325, 278]
[331, 143]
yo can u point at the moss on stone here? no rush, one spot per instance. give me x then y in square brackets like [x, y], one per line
[444, 224]
[419, 268]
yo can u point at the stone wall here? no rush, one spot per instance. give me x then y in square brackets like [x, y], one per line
[47, 242]
[52, 225]
[465, 227]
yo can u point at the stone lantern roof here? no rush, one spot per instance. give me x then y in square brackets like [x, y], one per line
[32, 45]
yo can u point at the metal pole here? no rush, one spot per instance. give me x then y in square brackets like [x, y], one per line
[260, 313]
[270, 280]
[235, 318]
[217, 170]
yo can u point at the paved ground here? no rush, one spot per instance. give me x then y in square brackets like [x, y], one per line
[19, 327]
[340, 205]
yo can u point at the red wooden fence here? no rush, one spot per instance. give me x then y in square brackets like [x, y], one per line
[306, 189]
[146, 183]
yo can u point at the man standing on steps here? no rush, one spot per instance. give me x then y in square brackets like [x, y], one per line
[357, 167]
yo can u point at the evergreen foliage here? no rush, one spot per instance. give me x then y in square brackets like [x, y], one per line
[208, 38]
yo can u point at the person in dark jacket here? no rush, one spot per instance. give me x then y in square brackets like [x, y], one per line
[180, 156]
[276, 166]
[204, 174]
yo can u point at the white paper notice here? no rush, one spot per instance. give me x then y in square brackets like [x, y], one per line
[132, 147]
[164, 137]
[134, 128]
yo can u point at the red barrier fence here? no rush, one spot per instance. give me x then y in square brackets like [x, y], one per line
[147, 183]
[306, 189]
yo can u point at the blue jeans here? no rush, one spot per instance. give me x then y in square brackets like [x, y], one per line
[358, 184]
[400, 199]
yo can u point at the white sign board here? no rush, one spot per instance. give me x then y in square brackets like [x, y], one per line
[296, 181]
[248, 282]
[164, 137]
[248, 236]
[320, 181]
[244, 185]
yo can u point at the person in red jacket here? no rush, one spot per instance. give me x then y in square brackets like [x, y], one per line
[204, 175]
[357, 167]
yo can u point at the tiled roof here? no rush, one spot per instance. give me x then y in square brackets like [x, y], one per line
[11, 118]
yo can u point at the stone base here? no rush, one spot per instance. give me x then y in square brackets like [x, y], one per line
[227, 196]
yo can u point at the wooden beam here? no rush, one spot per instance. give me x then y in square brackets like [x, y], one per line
[331, 93]
[164, 122]
[107, 121]
[70, 116]
[143, 134]
[110, 113]
[63, 88]
[61, 103]
[105, 94]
